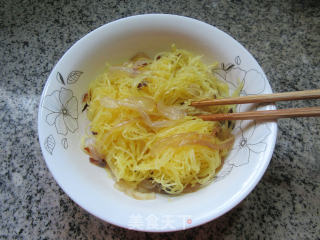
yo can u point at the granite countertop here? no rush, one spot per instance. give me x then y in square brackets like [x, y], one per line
[283, 37]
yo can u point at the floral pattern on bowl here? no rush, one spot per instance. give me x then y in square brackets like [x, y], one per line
[250, 135]
[60, 109]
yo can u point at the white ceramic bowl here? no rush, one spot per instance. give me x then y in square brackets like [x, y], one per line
[61, 123]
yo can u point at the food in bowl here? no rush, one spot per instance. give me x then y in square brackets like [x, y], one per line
[143, 130]
[116, 42]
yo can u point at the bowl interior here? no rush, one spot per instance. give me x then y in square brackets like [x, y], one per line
[60, 131]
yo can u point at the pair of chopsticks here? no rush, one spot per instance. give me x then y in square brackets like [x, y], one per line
[264, 98]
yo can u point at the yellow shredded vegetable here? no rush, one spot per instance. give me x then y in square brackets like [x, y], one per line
[143, 129]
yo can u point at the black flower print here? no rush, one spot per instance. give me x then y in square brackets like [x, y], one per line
[63, 111]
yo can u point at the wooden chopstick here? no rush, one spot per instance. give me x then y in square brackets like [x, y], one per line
[263, 98]
[264, 115]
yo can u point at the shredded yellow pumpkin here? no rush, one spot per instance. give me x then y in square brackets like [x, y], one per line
[143, 129]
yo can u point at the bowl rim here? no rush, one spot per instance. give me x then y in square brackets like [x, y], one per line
[204, 220]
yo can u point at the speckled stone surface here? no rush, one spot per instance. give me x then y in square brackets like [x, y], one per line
[284, 38]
